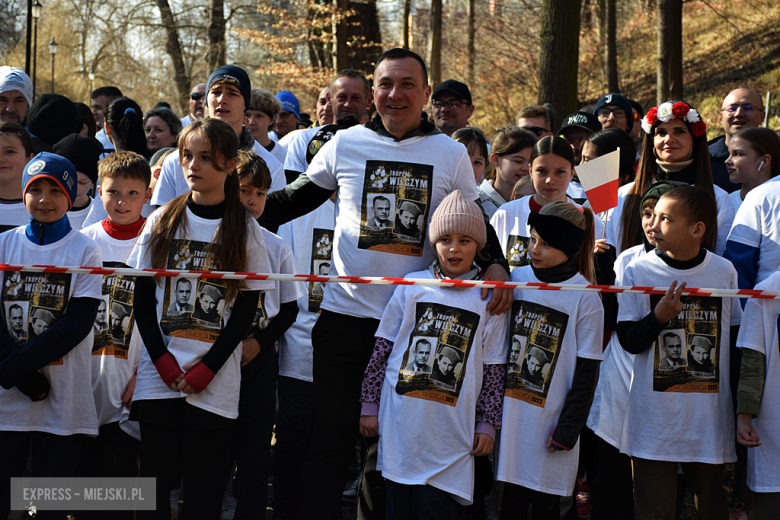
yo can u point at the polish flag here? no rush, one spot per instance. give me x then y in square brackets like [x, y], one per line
[600, 178]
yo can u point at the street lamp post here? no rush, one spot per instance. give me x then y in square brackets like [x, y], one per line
[36, 14]
[52, 51]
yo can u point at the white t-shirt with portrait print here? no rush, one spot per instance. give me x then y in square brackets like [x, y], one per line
[311, 237]
[427, 420]
[188, 335]
[511, 224]
[172, 182]
[417, 172]
[114, 356]
[763, 473]
[615, 374]
[282, 261]
[13, 214]
[69, 407]
[553, 329]
[297, 143]
[675, 412]
[726, 212]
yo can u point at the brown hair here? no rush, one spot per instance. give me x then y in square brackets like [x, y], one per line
[21, 133]
[265, 102]
[125, 164]
[507, 140]
[473, 139]
[763, 141]
[228, 247]
[250, 164]
[534, 111]
[522, 182]
[645, 177]
[583, 219]
[699, 206]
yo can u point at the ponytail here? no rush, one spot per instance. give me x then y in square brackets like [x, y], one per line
[125, 118]
[583, 219]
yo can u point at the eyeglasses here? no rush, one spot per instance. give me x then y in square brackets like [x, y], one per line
[746, 108]
[537, 130]
[619, 113]
[452, 104]
[196, 96]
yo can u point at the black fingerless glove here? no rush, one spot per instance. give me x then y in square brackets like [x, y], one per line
[35, 385]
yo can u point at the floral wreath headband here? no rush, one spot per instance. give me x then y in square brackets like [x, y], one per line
[665, 112]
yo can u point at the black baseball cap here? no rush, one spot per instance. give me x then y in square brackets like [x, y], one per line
[584, 120]
[456, 87]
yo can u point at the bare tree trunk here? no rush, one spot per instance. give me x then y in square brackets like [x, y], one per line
[670, 82]
[559, 61]
[407, 14]
[216, 34]
[472, 30]
[340, 50]
[611, 47]
[434, 44]
[364, 30]
[173, 48]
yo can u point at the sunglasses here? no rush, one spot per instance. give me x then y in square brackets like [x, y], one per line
[536, 130]
[195, 96]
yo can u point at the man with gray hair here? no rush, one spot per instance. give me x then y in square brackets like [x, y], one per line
[742, 108]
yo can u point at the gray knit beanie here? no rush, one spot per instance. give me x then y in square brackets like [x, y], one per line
[457, 214]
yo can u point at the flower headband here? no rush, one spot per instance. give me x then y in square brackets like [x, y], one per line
[665, 112]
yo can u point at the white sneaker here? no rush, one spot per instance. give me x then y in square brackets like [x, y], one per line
[351, 490]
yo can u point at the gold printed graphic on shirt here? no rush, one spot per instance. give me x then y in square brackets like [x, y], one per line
[434, 364]
[321, 251]
[687, 352]
[517, 251]
[395, 207]
[115, 319]
[192, 307]
[32, 302]
[537, 336]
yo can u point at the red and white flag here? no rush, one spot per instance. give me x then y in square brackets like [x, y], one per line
[600, 178]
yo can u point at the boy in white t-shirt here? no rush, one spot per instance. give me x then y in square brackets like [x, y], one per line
[46, 403]
[124, 189]
[16, 150]
[276, 312]
[677, 414]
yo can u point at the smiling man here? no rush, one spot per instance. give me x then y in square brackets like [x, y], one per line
[451, 107]
[16, 93]
[228, 95]
[742, 108]
[400, 156]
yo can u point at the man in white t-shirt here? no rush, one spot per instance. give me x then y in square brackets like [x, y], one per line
[228, 96]
[197, 96]
[357, 162]
[99, 100]
[324, 108]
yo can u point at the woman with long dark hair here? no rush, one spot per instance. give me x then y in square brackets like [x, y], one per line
[124, 126]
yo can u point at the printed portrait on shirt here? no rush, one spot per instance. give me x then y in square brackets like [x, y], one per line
[194, 306]
[434, 364]
[120, 321]
[537, 333]
[118, 291]
[260, 316]
[101, 318]
[687, 351]
[321, 251]
[395, 207]
[16, 316]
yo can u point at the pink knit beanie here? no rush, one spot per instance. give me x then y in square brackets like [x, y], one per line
[457, 214]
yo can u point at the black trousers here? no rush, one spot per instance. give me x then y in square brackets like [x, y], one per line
[518, 498]
[293, 437]
[256, 414]
[113, 453]
[612, 494]
[342, 348]
[420, 502]
[52, 456]
[202, 457]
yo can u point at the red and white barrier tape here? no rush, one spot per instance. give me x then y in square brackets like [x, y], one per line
[171, 273]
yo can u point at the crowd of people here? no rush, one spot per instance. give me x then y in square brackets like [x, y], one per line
[464, 403]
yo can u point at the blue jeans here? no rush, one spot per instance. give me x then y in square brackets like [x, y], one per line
[418, 502]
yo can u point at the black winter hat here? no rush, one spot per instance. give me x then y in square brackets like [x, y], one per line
[52, 117]
[619, 101]
[584, 120]
[236, 76]
[84, 152]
